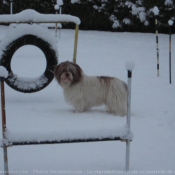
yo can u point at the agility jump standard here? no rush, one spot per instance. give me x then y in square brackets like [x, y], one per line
[7, 142]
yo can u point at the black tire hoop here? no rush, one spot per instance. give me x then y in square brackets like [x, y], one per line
[33, 84]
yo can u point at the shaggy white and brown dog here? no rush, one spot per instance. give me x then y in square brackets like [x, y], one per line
[84, 92]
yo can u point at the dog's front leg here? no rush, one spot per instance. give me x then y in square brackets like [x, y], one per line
[79, 107]
[77, 111]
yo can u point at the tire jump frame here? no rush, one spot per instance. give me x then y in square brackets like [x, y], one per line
[38, 41]
[51, 63]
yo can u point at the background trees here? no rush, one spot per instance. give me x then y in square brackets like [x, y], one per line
[107, 15]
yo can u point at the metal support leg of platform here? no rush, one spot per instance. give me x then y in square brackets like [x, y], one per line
[128, 121]
[4, 126]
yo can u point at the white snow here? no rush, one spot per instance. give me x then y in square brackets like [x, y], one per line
[26, 83]
[78, 130]
[140, 11]
[155, 10]
[142, 16]
[116, 24]
[134, 9]
[57, 7]
[146, 23]
[5, 2]
[168, 2]
[45, 113]
[3, 72]
[32, 16]
[60, 2]
[129, 65]
[126, 21]
[75, 1]
[170, 22]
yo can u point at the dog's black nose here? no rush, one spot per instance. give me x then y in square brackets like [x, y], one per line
[67, 74]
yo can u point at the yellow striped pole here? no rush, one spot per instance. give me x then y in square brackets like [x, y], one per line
[157, 46]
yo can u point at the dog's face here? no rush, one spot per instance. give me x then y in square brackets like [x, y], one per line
[68, 73]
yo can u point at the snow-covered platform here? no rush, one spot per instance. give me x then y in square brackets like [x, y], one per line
[68, 130]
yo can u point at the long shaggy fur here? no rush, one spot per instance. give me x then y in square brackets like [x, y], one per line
[83, 92]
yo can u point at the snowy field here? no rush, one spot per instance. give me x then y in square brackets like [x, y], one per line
[99, 53]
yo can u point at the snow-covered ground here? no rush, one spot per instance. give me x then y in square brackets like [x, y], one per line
[99, 53]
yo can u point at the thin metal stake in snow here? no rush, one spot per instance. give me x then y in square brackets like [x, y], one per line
[56, 24]
[4, 125]
[157, 46]
[129, 66]
[60, 11]
[170, 24]
[11, 6]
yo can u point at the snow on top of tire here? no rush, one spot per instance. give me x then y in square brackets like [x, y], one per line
[25, 29]
[130, 65]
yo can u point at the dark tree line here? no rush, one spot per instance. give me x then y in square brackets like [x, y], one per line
[106, 15]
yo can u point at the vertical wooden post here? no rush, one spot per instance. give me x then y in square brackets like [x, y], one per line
[75, 43]
[4, 126]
